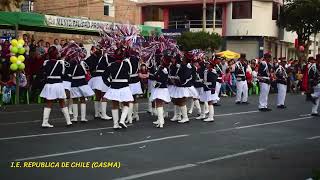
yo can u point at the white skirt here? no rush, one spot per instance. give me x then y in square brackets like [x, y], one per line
[171, 89]
[200, 91]
[66, 85]
[151, 84]
[136, 88]
[53, 91]
[181, 92]
[82, 91]
[316, 90]
[160, 93]
[121, 95]
[98, 84]
[206, 96]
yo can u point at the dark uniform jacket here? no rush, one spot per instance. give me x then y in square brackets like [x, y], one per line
[240, 71]
[218, 68]
[281, 74]
[134, 77]
[78, 74]
[264, 72]
[162, 76]
[184, 74]
[210, 78]
[54, 71]
[117, 75]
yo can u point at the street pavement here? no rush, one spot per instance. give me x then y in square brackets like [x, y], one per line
[242, 144]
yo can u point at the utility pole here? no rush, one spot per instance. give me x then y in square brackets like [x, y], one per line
[214, 14]
[204, 18]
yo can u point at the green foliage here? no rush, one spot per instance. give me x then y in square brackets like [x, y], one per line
[302, 17]
[199, 40]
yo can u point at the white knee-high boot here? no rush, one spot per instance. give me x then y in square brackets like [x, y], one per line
[135, 111]
[66, 115]
[83, 107]
[206, 107]
[202, 115]
[211, 114]
[176, 116]
[197, 104]
[115, 117]
[123, 116]
[160, 117]
[184, 114]
[75, 112]
[45, 120]
[129, 116]
[191, 107]
[97, 109]
[104, 115]
[70, 107]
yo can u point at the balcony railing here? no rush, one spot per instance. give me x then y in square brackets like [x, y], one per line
[193, 24]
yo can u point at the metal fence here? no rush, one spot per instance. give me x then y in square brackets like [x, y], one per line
[194, 24]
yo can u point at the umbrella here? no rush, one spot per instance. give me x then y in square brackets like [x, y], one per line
[229, 54]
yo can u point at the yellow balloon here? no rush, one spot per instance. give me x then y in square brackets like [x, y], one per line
[21, 42]
[21, 58]
[13, 59]
[14, 42]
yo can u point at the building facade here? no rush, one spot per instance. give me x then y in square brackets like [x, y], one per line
[247, 26]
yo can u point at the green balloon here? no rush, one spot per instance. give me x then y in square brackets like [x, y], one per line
[21, 66]
[21, 50]
[13, 67]
[14, 50]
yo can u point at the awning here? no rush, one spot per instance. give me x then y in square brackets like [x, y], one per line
[22, 18]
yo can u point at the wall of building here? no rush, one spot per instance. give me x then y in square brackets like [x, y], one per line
[261, 23]
[124, 11]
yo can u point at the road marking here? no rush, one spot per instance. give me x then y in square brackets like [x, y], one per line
[56, 133]
[140, 112]
[304, 115]
[256, 125]
[314, 137]
[230, 156]
[175, 168]
[26, 111]
[101, 148]
[276, 122]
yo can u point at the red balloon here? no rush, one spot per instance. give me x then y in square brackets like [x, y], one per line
[301, 48]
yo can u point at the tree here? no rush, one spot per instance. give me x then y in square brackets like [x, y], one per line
[301, 16]
[11, 5]
[199, 40]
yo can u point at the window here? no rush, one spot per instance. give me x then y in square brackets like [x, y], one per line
[309, 51]
[275, 11]
[317, 43]
[106, 10]
[242, 10]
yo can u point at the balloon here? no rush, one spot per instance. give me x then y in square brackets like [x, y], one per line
[21, 50]
[13, 59]
[21, 42]
[20, 46]
[14, 50]
[13, 67]
[21, 58]
[21, 66]
[14, 42]
[301, 48]
[18, 62]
